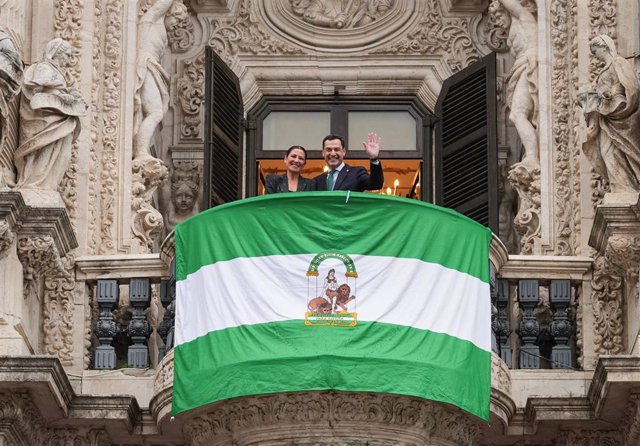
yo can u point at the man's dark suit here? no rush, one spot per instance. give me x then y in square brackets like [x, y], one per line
[354, 178]
[280, 183]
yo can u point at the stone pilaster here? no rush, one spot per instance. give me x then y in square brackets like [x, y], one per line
[35, 239]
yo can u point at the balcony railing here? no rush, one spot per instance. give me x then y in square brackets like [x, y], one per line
[534, 322]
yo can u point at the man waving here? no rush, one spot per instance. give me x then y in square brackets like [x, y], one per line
[341, 176]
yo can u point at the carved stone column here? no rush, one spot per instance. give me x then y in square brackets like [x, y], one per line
[316, 418]
[616, 237]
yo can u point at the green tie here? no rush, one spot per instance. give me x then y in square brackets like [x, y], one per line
[330, 180]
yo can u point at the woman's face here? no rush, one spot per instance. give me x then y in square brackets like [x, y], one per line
[295, 160]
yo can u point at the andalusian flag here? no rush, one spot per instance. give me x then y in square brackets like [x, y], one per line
[332, 290]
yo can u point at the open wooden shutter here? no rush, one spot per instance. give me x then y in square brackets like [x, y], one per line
[223, 133]
[466, 153]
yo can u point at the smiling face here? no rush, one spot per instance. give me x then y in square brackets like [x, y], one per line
[333, 153]
[295, 160]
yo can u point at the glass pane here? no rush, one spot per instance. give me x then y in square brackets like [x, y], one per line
[397, 129]
[281, 130]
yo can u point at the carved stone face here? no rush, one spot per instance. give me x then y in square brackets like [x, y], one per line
[183, 199]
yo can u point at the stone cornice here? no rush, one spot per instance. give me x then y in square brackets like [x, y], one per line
[41, 371]
[28, 220]
[548, 267]
[117, 408]
[123, 266]
[45, 377]
[618, 214]
[615, 378]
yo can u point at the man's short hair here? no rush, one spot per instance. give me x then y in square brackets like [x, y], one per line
[331, 138]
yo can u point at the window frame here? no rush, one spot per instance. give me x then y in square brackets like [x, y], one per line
[339, 107]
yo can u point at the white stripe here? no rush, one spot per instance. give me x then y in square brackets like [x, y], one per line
[392, 290]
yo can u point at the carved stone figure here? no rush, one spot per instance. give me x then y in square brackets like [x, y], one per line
[151, 100]
[10, 81]
[340, 13]
[49, 121]
[185, 185]
[612, 117]
[522, 83]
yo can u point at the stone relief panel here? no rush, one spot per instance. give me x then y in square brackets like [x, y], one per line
[244, 33]
[583, 437]
[564, 81]
[359, 413]
[46, 270]
[434, 33]
[105, 129]
[340, 14]
[190, 97]
[68, 26]
[20, 417]
[337, 25]
[608, 308]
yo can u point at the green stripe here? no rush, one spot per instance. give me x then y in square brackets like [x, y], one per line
[372, 357]
[313, 222]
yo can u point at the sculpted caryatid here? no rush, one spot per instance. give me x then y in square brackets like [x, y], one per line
[10, 81]
[341, 13]
[522, 83]
[49, 120]
[151, 99]
[612, 115]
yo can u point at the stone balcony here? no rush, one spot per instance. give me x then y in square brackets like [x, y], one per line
[587, 389]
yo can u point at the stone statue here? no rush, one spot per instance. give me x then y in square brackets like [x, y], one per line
[49, 121]
[151, 100]
[341, 13]
[522, 83]
[612, 117]
[10, 80]
[185, 186]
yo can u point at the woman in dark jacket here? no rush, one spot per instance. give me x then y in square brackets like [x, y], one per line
[292, 181]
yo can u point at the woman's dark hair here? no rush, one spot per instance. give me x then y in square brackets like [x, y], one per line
[299, 148]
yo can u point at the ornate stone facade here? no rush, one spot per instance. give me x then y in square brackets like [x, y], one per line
[61, 303]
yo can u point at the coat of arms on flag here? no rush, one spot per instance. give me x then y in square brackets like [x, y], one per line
[329, 302]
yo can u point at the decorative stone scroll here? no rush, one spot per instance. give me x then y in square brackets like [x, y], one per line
[245, 34]
[434, 33]
[312, 417]
[525, 179]
[608, 305]
[190, 86]
[147, 222]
